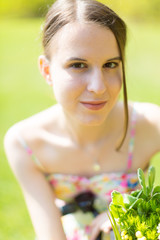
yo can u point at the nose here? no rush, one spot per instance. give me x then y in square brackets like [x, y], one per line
[96, 82]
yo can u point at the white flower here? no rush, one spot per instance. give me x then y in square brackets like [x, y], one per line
[158, 228]
[139, 234]
[142, 238]
[123, 233]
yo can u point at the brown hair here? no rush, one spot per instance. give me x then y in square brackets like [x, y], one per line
[63, 12]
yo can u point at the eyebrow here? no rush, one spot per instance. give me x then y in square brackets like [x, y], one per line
[84, 60]
[76, 59]
[115, 58]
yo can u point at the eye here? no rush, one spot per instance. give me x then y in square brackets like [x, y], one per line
[78, 65]
[111, 65]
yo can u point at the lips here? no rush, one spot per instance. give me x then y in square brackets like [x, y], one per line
[94, 105]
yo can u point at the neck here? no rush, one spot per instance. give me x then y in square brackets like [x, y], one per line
[90, 135]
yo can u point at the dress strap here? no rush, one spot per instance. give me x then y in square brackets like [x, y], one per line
[132, 137]
[30, 153]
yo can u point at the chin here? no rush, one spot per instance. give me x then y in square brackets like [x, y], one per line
[92, 121]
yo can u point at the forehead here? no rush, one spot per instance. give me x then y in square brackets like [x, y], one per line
[84, 40]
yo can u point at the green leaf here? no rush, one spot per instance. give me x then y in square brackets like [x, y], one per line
[140, 194]
[129, 200]
[136, 203]
[115, 228]
[140, 209]
[148, 206]
[151, 177]
[156, 190]
[143, 208]
[117, 198]
[156, 196]
[141, 179]
[114, 224]
[117, 210]
[136, 193]
[153, 204]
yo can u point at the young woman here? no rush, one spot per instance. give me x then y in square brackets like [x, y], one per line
[70, 157]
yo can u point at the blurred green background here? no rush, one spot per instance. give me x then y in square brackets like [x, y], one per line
[23, 91]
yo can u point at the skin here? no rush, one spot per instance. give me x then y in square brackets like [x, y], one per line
[96, 78]
[70, 131]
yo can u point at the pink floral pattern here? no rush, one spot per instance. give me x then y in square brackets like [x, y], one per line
[66, 186]
[77, 225]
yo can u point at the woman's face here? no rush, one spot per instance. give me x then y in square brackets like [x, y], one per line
[86, 71]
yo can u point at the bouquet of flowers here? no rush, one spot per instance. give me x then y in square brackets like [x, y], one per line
[137, 215]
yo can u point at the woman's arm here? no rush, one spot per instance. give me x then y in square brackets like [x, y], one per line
[38, 195]
[100, 223]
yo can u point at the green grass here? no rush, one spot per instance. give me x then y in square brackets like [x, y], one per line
[23, 92]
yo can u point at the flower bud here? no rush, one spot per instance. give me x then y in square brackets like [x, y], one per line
[143, 238]
[139, 234]
[123, 233]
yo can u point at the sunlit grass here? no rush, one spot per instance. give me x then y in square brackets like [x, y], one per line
[23, 92]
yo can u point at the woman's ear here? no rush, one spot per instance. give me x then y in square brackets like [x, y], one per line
[44, 68]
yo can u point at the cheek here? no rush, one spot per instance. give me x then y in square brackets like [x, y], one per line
[116, 79]
[67, 88]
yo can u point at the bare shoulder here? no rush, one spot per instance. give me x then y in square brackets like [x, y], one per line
[149, 113]
[17, 157]
[32, 131]
[32, 127]
[148, 124]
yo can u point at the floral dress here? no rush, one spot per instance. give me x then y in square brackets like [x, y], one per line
[77, 225]
[65, 187]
